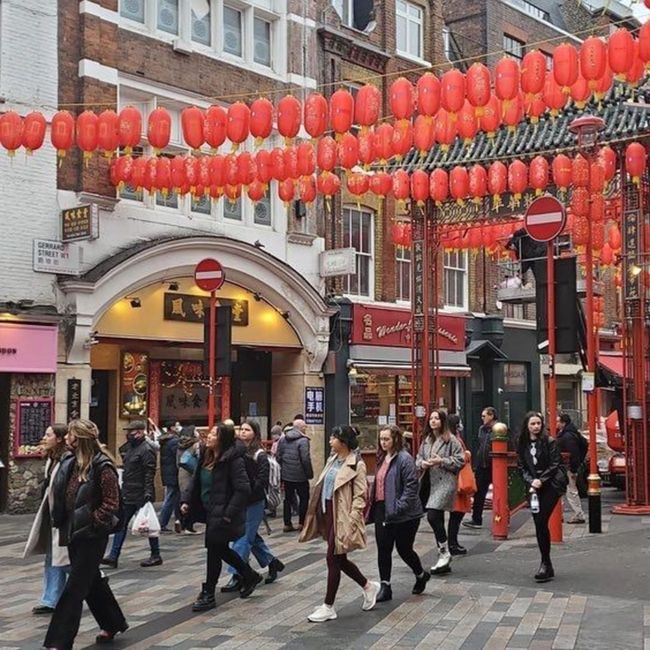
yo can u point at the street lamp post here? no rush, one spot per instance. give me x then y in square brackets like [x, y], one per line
[587, 129]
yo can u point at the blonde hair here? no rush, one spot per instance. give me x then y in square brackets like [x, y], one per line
[88, 445]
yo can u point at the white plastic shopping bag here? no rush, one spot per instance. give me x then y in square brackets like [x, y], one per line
[145, 522]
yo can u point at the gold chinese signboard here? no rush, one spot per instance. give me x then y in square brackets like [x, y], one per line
[190, 308]
[134, 381]
[78, 223]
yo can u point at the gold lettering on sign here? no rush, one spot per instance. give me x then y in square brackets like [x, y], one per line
[177, 307]
[399, 326]
[367, 327]
[197, 308]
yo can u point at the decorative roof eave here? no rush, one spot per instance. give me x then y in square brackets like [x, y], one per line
[353, 50]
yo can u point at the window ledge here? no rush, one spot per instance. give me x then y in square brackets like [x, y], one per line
[107, 203]
[302, 238]
[413, 59]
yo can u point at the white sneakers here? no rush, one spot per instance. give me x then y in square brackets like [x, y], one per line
[370, 595]
[322, 614]
[444, 561]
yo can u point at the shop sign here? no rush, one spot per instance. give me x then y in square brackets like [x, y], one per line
[56, 257]
[392, 327]
[74, 399]
[79, 223]
[33, 416]
[632, 282]
[418, 284]
[134, 381]
[338, 261]
[314, 405]
[190, 308]
[28, 348]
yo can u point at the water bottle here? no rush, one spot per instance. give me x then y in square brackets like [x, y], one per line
[534, 503]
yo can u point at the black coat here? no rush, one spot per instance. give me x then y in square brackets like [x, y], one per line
[294, 457]
[139, 464]
[225, 514]
[257, 467]
[569, 441]
[168, 464]
[482, 458]
[549, 469]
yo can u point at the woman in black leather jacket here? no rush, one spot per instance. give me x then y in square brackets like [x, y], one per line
[86, 510]
[543, 472]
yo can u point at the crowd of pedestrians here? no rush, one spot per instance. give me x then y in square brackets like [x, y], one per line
[223, 478]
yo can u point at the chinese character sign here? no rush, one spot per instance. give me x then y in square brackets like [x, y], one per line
[190, 308]
[314, 405]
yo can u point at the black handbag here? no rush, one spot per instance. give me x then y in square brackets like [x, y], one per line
[425, 488]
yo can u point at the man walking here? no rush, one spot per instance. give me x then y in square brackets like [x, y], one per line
[139, 469]
[296, 470]
[571, 441]
[169, 475]
[482, 466]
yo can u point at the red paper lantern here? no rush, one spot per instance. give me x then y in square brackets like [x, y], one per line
[307, 189]
[384, 142]
[644, 43]
[231, 170]
[261, 124]
[357, 184]
[402, 138]
[539, 169]
[580, 201]
[606, 254]
[596, 178]
[635, 161]
[348, 151]
[597, 233]
[34, 126]
[289, 114]
[478, 182]
[192, 124]
[287, 190]
[446, 130]
[121, 171]
[204, 170]
[367, 105]
[517, 179]
[366, 148]
[278, 165]
[108, 137]
[328, 184]
[424, 134]
[401, 97]
[439, 185]
[215, 126]
[256, 190]
[467, 123]
[604, 84]
[62, 132]
[401, 185]
[533, 72]
[238, 124]
[159, 128]
[506, 79]
[562, 168]
[326, 154]
[593, 58]
[138, 173]
[497, 181]
[607, 158]
[620, 52]
[534, 107]
[615, 239]
[397, 233]
[580, 234]
[264, 166]
[598, 209]
[11, 131]
[129, 128]
[513, 112]
[381, 184]
[475, 238]
[580, 92]
[553, 96]
[216, 169]
[149, 182]
[233, 193]
[478, 84]
[246, 169]
[459, 184]
[291, 162]
[637, 70]
[491, 118]
[452, 91]
[580, 171]
[306, 159]
[565, 66]
[420, 186]
[86, 133]
[341, 111]
[428, 94]
[163, 179]
[315, 114]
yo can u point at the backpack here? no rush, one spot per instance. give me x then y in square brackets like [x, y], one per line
[272, 492]
[188, 460]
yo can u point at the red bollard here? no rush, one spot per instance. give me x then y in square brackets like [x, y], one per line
[500, 509]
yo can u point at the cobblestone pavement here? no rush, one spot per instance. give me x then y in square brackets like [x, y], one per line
[600, 598]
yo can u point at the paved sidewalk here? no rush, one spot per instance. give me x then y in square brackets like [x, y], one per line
[600, 599]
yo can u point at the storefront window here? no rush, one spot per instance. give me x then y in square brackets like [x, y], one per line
[515, 377]
[372, 404]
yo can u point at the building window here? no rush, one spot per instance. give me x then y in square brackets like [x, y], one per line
[513, 47]
[358, 14]
[201, 26]
[168, 16]
[262, 211]
[232, 31]
[262, 42]
[515, 377]
[455, 279]
[549, 60]
[232, 209]
[133, 10]
[531, 9]
[409, 24]
[403, 273]
[357, 233]
[446, 43]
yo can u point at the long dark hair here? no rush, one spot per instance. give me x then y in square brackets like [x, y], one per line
[256, 442]
[225, 440]
[453, 422]
[444, 426]
[59, 431]
[524, 434]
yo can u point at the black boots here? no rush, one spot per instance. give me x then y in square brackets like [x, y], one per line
[545, 572]
[250, 580]
[233, 585]
[205, 601]
[385, 593]
[457, 549]
[275, 567]
[421, 582]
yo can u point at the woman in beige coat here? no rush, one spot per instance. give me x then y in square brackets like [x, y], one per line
[335, 513]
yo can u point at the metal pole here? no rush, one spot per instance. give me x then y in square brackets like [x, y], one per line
[426, 335]
[212, 353]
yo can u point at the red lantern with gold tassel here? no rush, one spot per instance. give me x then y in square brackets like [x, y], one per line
[108, 137]
[452, 91]
[635, 161]
[566, 66]
[428, 94]
[562, 169]
[402, 138]
[580, 233]
[261, 124]
[149, 182]
[306, 159]
[215, 125]
[446, 130]
[593, 59]
[138, 173]
[163, 181]
[397, 233]
[620, 52]
[264, 166]
[459, 184]
[357, 184]
[381, 184]
[533, 73]
[366, 148]
[401, 98]
[238, 125]
[34, 126]
[606, 255]
[401, 185]
[580, 92]
[230, 166]
[11, 131]
[288, 116]
[129, 128]
[367, 106]
[644, 43]
[341, 111]
[328, 184]
[538, 172]
[534, 107]
[636, 73]
[256, 191]
[420, 186]
[216, 171]
[424, 134]
[478, 182]
[604, 84]
[122, 167]
[204, 171]
[291, 162]
[467, 123]
[315, 114]
[553, 96]
[246, 169]
[233, 193]
[598, 208]
[596, 178]
[439, 185]
[491, 118]
[597, 234]
[278, 165]
[87, 133]
[159, 128]
[384, 142]
[287, 190]
[326, 152]
[506, 79]
[475, 238]
[517, 179]
[62, 132]
[348, 151]
[513, 112]
[497, 181]
[192, 123]
[307, 189]
[615, 239]
[580, 201]
[478, 87]
[580, 171]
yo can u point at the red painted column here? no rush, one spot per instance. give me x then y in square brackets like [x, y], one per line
[500, 509]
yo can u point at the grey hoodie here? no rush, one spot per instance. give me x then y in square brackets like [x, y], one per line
[294, 458]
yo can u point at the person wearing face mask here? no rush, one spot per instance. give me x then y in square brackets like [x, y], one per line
[396, 510]
[139, 463]
[544, 474]
[440, 458]
[43, 537]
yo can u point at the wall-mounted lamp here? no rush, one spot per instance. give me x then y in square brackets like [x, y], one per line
[285, 315]
[257, 296]
[135, 302]
[173, 285]
[258, 244]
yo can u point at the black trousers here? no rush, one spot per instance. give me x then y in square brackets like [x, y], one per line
[85, 582]
[436, 519]
[400, 535]
[290, 490]
[483, 480]
[548, 499]
[453, 526]
[217, 555]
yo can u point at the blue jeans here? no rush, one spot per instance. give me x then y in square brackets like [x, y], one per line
[118, 538]
[251, 540]
[170, 504]
[54, 578]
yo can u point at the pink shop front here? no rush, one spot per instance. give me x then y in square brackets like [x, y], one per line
[28, 359]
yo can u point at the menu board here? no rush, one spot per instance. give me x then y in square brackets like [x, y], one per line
[134, 381]
[33, 416]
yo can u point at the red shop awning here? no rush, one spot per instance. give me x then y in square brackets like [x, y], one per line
[613, 363]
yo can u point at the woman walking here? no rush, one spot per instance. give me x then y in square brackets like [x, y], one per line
[43, 537]
[335, 513]
[85, 509]
[217, 496]
[257, 466]
[440, 458]
[463, 502]
[396, 510]
[545, 476]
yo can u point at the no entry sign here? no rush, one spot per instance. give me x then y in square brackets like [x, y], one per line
[209, 275]
[545, 218]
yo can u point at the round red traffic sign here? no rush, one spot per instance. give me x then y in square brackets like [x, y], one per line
[545, 218]
[209, 275]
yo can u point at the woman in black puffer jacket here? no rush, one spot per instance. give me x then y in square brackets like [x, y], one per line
[218, 495]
